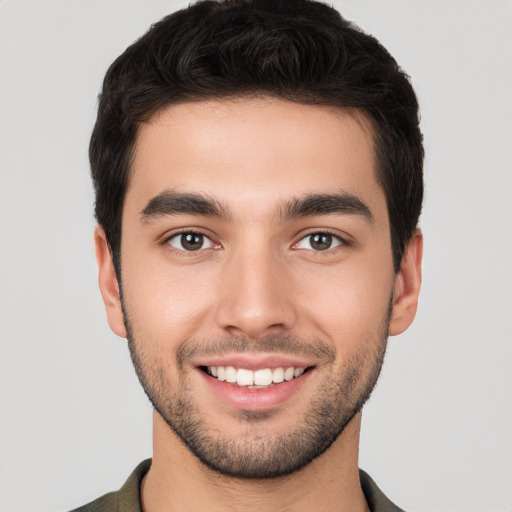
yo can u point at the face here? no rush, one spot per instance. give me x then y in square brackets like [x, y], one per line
[257, 278]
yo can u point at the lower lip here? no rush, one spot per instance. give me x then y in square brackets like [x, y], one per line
[255, 399]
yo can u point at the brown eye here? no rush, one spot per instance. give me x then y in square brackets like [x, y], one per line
[190, 241]
[319, 242]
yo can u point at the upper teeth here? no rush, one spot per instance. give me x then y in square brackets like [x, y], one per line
[263, 377]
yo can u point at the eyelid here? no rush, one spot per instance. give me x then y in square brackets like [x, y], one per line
[343, 240]
[183, 231]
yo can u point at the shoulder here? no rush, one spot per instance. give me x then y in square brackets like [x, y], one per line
[127, 499]
[376, 499]
[107, 503]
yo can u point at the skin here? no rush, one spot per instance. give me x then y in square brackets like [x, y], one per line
[260, 277]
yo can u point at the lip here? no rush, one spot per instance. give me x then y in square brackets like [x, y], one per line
[255, 361]
[244, 398]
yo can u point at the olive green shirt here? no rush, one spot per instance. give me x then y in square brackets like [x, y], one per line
[127, 499]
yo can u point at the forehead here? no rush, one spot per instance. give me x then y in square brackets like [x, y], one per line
[254, 152]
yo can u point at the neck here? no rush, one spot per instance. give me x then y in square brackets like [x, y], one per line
[177, 481]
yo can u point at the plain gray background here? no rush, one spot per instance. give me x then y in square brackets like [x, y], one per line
[437, 433]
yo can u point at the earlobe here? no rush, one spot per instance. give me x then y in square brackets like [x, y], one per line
[407, 286]
[107, 280]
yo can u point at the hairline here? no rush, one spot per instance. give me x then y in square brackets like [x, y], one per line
[359, 114]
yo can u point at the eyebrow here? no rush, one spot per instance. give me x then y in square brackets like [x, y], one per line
[324, 204]
[171, 202]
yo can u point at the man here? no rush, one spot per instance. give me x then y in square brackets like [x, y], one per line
[258, 176]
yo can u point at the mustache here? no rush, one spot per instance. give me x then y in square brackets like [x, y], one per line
[283, 343]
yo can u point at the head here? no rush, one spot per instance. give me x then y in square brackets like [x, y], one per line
[258, 174]
[296, 50]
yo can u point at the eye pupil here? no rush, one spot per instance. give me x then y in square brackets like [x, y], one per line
[192, 241]
[321, 241]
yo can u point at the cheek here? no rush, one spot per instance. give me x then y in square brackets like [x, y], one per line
[166, 303]
[351, 306]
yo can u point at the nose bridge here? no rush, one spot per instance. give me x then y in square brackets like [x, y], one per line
[255, 302]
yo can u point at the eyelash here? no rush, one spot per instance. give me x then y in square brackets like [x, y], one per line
[335, 238]
[179, 234]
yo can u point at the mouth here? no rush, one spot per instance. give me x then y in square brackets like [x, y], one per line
[255, 379]
[257, 382]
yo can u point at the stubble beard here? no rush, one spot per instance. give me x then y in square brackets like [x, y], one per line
[339, 397]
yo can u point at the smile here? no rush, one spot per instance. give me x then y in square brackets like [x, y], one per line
[258, 379]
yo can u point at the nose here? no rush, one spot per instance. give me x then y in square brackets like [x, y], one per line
[257, 296]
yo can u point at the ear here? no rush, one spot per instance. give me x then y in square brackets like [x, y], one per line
[107, 281]
[407, 286]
